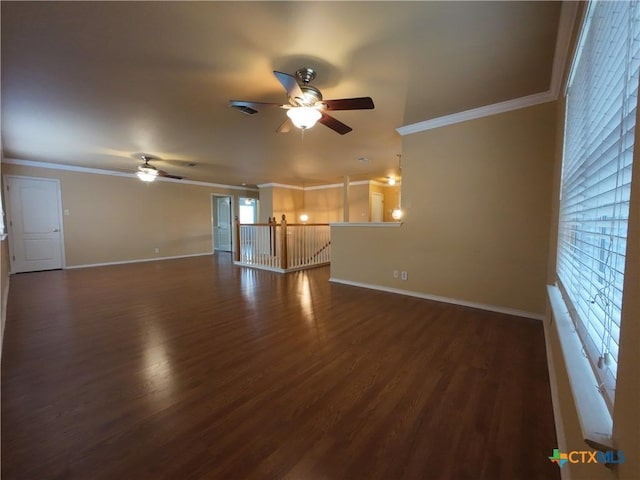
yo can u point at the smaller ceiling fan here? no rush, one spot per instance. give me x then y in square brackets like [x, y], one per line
[306, 106]
[148, 173]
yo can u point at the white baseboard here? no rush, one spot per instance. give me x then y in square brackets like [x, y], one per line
[259, 267]
[278, 270]
[437, 298]
[106, 264]
[3, 313]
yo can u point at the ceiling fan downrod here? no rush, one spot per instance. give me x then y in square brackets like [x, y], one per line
[305, 75]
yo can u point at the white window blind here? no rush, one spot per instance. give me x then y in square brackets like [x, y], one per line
[602, 98]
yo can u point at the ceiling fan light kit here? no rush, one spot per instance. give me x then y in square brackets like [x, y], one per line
[148, 173]
[306, 106]
[304, 117]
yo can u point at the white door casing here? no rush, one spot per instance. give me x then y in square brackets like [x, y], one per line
[222, 223]
[34, 223]
[377, 207]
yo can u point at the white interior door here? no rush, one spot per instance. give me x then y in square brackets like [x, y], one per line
[222, 224]
[35, 226]
[377, 207]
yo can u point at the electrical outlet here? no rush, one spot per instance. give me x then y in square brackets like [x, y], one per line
[395, 274]
[404, 276]
[157, 250]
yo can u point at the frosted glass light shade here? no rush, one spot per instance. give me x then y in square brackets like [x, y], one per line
[147, 174]
[304, 117]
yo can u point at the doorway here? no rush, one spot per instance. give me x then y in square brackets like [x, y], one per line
[34, 223]
[222, 208]
[377, 207]
[248, 210]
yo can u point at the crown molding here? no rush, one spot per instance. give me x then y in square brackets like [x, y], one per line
[475, 113]
[279, 185]
[98, 171]
[341, 185]
[568, 15]
[385, 184]
[322, 187]
[68, 168]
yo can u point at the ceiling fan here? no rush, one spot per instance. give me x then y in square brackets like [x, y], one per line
[306, 106]
[148, 173]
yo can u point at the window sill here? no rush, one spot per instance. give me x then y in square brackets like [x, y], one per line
[595, 420]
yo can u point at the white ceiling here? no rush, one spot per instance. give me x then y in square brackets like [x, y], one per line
[94, 84]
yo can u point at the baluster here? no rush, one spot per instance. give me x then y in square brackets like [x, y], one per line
[284, 261]
[236, 249]
[256, 245]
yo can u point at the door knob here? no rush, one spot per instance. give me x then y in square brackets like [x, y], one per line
[56, 230]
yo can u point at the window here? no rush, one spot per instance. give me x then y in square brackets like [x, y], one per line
[601, 102]
[248, 210]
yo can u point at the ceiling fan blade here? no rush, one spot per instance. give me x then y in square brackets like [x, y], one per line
[334, 124]
[286, 126]
[251, 108]
[362, 103]
[162, 173]
[290, 84]
[242, 103]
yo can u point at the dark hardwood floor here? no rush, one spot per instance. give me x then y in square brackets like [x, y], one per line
[194, 368]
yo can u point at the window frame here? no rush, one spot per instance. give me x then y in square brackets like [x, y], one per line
[605, 380]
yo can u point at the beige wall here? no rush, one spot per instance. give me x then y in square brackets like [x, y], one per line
[391, 199]
[359, 207]
[116, 219]
[287, 201]
[477, 201]
[266, 204]
[324, 205]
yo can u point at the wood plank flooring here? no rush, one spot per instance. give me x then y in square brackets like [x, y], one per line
[196, 369]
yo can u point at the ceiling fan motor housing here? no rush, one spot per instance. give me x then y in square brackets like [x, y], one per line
[306, 105]
[310, 96]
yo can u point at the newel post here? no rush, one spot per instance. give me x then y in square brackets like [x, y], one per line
[272, 235]
[284, 262]
[236, 247]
